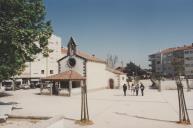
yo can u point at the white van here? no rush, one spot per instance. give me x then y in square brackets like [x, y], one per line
[8, 84]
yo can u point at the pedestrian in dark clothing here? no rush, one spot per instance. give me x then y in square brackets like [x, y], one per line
[137, 89]
[124, 89]
[142, 87]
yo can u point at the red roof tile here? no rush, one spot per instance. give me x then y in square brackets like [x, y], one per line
[67, 75]
[115, 71]
[168, 50]
[64, 50]
[84, 55]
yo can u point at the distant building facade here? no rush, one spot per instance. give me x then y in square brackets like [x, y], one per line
[188, 61]
[164, 62]
[42, 66]
[156, 62]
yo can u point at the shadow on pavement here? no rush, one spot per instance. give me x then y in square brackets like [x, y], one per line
[70, 119]
[4, 94]
[48, 94]
[146, 118]
[8, 103]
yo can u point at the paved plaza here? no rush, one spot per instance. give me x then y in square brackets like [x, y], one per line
[107, 108]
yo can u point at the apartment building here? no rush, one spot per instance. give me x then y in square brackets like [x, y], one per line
[188, 61]
[156, 63]
[168, 60]
[43, 66]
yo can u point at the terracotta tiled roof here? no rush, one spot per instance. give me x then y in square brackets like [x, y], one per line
[115, 71]
[120, 69]
[85, 56]
[64, 50]
[67, 75]
[168, 50]
[185, 47]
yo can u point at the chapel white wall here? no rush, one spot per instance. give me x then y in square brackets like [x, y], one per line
[98, 76]
[79, 67]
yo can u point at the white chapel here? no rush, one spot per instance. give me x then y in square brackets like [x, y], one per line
[76, 66]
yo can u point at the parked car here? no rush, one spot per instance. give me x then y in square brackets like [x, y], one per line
[8, 84]
[25, 86]
[32, 85]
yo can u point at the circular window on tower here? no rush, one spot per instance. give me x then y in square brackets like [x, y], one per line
[71, 62]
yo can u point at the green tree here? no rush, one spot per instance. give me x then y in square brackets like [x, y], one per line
[23, 34]
[132, 69]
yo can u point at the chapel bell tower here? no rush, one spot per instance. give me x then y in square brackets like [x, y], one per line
[71, 47]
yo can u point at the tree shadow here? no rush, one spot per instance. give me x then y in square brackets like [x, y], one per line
[48, 94]
[45, 93]
[8, 103]
[122, 95]
[15, 108]
[145, 118]
[70, 119]
[4, 94]
[119, 95]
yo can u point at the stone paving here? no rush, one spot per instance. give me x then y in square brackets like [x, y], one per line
[107, 108]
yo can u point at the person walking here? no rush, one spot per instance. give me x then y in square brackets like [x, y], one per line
[133, 89]
[137, 89]
[128, 86]
[124, 89]
[142, 87]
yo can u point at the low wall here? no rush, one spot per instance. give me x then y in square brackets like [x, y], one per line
[171, 84]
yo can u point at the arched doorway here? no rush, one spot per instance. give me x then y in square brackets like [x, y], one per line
[111, 83]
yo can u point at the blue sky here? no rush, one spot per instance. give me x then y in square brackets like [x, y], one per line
[130, 29]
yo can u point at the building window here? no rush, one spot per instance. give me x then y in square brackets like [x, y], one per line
[123, 78]
[186, 52]
[158, 62]
[42, 71]
[51, 71]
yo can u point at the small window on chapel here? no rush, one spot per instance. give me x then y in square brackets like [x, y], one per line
[51, 71]
[123, 78]
[42, 71]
